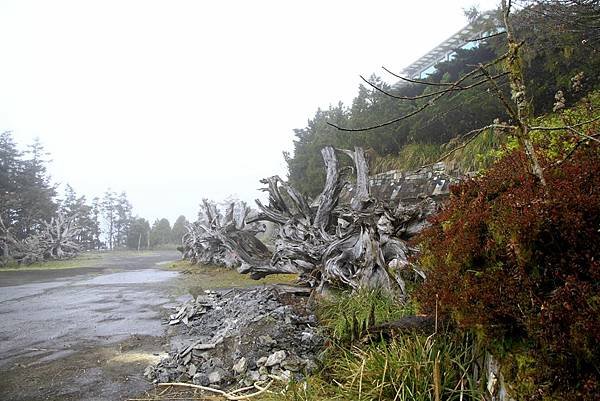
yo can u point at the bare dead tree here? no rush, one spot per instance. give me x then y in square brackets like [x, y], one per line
[203, 243]
[56, 240]
[60, 237]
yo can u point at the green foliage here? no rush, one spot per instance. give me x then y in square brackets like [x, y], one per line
[477, 155]
[410, 157]
[420, 139]
[202, 277]
[160, 234]
[480, 153]
[408, 367]
[137, 234]
[518, 262]
[337, 314]
[86, 218]
[87, 259]
[563, 44]
[116, 211]
[28, 199]
[178, 230]
[306, 167]
[556, 143]
[26, 194]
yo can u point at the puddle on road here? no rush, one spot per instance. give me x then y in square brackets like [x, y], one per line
[132, 277]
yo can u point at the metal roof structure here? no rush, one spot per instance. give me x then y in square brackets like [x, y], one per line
[445, 49]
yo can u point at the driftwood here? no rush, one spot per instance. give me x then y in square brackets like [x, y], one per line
[57, 239]
[211, 239]
[358, 245]
[60, 237]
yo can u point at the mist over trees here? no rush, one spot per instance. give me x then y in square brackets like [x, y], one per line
[160, 234]
[179, 230]
[30, 201]
[138, 234]
[26, 195]
[86, 217]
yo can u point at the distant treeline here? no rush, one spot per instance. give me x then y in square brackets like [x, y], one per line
[28, 198]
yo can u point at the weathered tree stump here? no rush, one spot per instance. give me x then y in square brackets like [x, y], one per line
[362, 244]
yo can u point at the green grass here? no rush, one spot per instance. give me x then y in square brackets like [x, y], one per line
[408, 367]
[337, 313]
[87, 259]
[208, 277]
[475, 156]
[410, 157]
[489, 146]
[84, 259]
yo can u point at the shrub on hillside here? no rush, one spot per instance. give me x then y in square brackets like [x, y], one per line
[521, 263]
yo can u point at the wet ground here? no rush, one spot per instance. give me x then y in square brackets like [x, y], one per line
[85, 333]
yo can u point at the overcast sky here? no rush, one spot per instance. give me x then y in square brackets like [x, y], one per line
[174, 101]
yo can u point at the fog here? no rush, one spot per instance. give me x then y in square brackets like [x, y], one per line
[174, 101]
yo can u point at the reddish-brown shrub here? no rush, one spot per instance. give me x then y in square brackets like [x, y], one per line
[521, 262]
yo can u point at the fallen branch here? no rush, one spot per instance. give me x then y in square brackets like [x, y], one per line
[228, 395]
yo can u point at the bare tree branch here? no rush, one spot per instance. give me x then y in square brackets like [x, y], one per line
[447, 90]
[424, 106]
[571, 152]
[493, 35]
[472, 134]
[416, 81]
[592, 138]
[565, 126]
[500, 94]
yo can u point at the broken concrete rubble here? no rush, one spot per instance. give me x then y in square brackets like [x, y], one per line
[242, 336]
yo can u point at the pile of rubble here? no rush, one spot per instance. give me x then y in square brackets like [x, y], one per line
[241, 337]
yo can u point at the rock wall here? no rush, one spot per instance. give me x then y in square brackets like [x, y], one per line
[410, 186]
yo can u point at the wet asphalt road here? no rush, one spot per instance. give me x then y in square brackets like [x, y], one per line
[46, 316]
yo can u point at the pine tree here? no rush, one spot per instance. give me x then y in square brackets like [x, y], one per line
[178, 230]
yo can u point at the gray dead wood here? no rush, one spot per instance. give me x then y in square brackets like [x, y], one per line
[352, 246]
[56, 239]
[211, 239]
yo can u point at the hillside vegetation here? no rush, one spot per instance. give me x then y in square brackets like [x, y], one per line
[512, 261]
[553, 58]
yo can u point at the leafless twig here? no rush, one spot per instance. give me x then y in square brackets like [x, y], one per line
[487, 36]
[472, 135]
[416, 81]
[450, 89]
[424, 106]
[565, 126]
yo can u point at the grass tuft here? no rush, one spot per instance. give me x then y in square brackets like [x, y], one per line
[88, 259]
[338, 313]
[408, 367]
[212, 277]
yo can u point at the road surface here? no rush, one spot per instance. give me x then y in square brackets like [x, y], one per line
[84, 333]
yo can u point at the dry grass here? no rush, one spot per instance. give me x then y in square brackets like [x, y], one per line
[211, 277]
